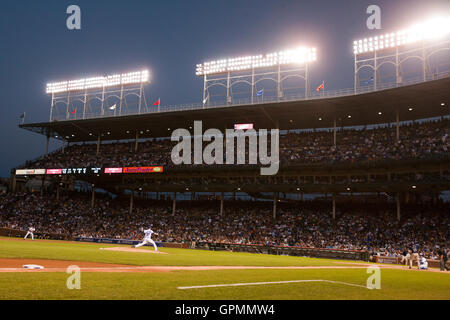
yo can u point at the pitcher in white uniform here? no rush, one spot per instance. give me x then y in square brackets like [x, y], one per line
[30, 232]
[147, 238]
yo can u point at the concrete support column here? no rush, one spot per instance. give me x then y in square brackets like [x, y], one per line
[13, 183]
[334, 206]
[42, 185]
[398, 207]
[275, 198]
[221, 204]
[98, 144]
[397, 125]
[334, 132]
[63, 145]
[93, 196]
[137, 141]
[174, 203]
[131, 201]
[46, 145]
[58, 187]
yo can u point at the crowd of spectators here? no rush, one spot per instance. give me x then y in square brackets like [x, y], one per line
[417, 141]
[420, 140]
[357, 226]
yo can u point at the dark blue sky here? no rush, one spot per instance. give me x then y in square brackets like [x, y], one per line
[169, 37]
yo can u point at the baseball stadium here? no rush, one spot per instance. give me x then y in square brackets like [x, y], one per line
[146, 201]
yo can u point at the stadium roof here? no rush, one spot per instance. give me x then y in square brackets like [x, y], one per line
[413, 102]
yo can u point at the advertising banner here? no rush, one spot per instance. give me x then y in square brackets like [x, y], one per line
[113, 170]
[142, 169]
[54, 171]
[243, 126]
[24, 172]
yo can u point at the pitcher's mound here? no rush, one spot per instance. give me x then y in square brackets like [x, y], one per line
[122, 249]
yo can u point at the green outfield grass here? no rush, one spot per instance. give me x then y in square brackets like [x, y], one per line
[395, 284]
[78, 251]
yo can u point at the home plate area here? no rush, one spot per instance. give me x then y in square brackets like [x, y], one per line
[122, 249]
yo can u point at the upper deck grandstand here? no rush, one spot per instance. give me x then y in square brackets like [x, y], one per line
[393, 140]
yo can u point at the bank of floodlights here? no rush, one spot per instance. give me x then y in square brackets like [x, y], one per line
[419, 41]
[101, 88]
[299, 55]
[99, 82]
[429, 30]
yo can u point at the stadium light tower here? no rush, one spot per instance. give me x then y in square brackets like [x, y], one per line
[420, 41]
[100, 88]
[253, 69]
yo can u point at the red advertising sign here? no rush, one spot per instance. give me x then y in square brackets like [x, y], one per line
[113, 170]
[142, 169]
[243, 126]
[54, 171]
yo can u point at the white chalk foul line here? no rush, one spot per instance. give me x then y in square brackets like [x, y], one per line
[265, 283]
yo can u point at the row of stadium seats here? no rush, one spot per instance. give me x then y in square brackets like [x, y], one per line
[420, 140]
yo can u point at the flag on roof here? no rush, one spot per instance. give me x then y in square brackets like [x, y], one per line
[321, 87]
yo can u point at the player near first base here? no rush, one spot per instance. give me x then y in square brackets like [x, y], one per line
[423, 263]
[416, 257]
[147, 238]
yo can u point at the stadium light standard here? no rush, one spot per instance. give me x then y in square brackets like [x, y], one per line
[254, 69]
[419, 41]
[100, 88]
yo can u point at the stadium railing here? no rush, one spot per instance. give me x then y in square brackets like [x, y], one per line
[268, 99]
[397, 260]
[286, 250]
